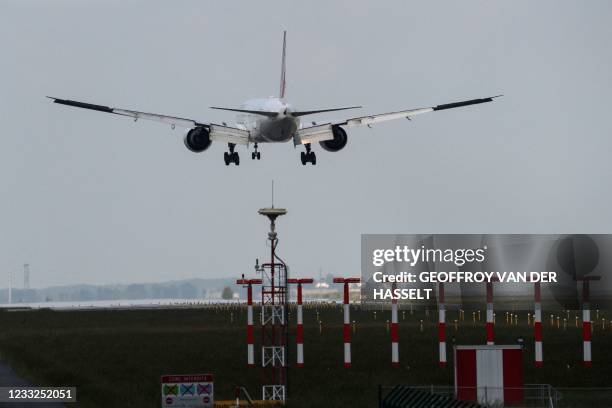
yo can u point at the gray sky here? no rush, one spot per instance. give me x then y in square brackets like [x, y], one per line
[94, 198]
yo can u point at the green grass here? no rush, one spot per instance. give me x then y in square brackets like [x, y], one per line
[116, 358]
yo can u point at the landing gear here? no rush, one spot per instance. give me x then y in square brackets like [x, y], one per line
[256, 154]
[231, 156]
[308, 156]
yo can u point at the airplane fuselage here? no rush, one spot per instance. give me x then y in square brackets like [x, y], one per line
[263, 129]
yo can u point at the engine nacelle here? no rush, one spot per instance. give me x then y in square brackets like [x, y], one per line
[338, 142]
[197, 139]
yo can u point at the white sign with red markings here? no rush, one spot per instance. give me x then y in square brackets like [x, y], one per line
[186, 391]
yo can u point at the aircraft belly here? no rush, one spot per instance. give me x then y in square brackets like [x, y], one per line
[280, 130]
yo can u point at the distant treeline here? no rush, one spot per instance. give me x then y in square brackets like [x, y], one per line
[186, 289]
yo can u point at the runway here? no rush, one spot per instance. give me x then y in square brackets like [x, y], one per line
[8, 378]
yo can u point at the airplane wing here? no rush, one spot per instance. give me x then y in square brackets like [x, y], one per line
[318, 132]
[221, 133]
[408, 114]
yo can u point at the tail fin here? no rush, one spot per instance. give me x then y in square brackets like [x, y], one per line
[283, 67]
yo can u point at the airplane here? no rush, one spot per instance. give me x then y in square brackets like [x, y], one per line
[270, 120]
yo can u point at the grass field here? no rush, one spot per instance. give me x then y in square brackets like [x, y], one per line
[116, 358]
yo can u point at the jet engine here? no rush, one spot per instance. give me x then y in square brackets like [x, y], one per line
[197, 139]
[338, 142]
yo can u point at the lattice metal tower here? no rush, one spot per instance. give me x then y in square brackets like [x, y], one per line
[26, 276]
[274, 316]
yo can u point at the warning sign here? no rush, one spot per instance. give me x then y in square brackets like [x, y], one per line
[186, 391]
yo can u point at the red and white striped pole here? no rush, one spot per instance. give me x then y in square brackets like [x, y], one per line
[250, 327]
[586, 319]
[442, 325]
[300, 329]
[537, 319]
[347, 328]
[586, 324]
[490, 324]
[394, 332]
[347, 319]
[300, 321]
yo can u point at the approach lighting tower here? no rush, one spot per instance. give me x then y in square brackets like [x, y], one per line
[274, 324]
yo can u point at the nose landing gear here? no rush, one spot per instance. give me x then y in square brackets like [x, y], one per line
[256, 154]
[308, 156]
[231, 156]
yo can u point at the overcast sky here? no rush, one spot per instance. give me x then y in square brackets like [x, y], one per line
[94, 198]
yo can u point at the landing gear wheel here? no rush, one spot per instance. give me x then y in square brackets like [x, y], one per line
[231, 157]
[308, 157]
[256, 154]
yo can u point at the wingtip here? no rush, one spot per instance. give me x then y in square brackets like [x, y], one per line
[497, 96]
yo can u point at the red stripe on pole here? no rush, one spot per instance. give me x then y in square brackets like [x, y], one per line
[394, 332]
[537, 292]
[346, 293]
[250, 295]
[586, 331]
[299, 297]
[585, 291]
[538, 331]
[490, 332]
[347, 333]
[442, 332]
[300, 334]
[489, 292]
[250, 335]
